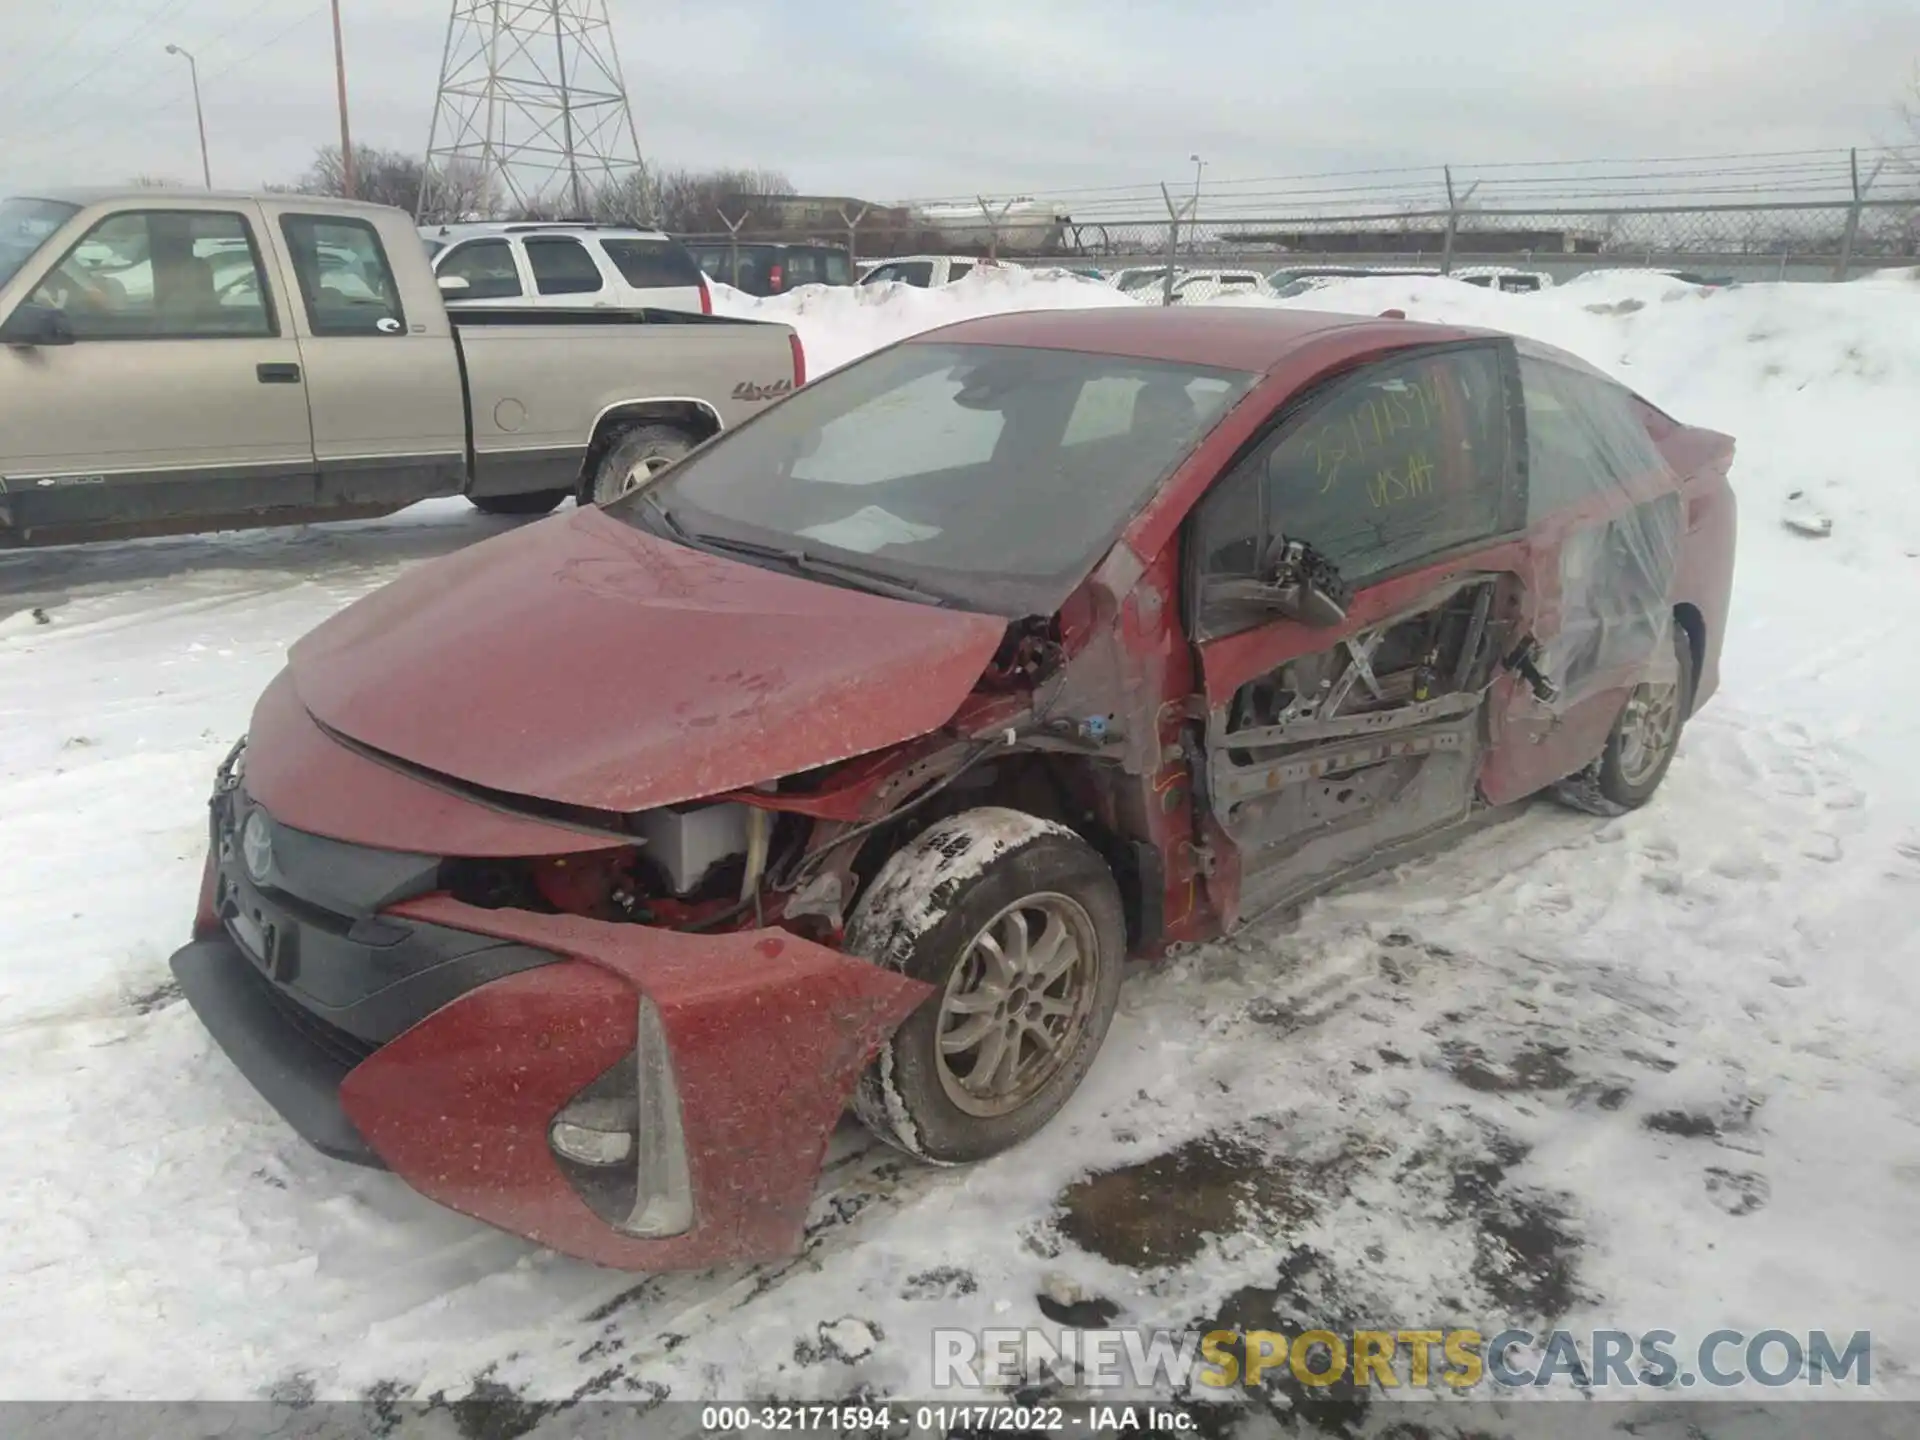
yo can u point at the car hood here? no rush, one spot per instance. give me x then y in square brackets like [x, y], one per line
[585, 662]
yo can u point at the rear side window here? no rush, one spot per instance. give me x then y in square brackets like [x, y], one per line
[563, 267]
[1587, 446]
[959, 269]
[345, 280]
[1401, 461]
[1584, 438]
[487, 267]
[652, 264]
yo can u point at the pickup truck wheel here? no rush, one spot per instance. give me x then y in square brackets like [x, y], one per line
[1641, 744]
[636, 457]
[537, 503]
[1017, 924]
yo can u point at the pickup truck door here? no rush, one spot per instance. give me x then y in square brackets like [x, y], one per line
[181, 394]
[382, 371]
[1328, 747]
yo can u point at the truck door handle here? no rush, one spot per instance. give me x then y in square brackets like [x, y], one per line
[278, 374]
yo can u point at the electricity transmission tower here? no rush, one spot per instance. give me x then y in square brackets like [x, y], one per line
[532, 112]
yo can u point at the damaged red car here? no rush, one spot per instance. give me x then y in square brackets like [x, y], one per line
[587, 877]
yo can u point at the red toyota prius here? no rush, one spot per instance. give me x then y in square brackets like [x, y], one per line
[587, 877]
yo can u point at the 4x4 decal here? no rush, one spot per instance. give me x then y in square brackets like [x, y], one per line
[747, 390]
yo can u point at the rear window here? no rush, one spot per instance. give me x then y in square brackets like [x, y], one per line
[817, 267]
[652, 264]
[906, 272]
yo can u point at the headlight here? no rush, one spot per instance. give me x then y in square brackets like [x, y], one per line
[621, 1144]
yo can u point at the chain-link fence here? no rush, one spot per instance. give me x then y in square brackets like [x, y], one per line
[1795, 216]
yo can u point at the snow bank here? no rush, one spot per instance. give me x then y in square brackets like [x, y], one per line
[841, 323]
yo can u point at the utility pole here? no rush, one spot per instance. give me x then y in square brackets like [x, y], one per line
[348, 184]
[199, 115]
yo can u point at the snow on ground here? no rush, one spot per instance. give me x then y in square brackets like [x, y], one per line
[1653, 1072]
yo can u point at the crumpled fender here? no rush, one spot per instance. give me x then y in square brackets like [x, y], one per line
[768, 1034]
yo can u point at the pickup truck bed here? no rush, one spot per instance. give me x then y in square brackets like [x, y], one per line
[175, 362]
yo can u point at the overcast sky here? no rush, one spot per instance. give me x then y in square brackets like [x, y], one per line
[897, 98]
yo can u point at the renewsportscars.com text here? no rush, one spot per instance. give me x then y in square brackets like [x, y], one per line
[1457, 1359]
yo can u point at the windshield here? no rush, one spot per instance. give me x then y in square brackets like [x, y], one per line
[992, 477]
[24, 227]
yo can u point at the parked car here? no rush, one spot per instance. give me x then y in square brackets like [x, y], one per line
[772, 269]
[1299, 280]
[1504, 277]
[563, 265]
[1135, 277]
[1197, 287]
[176, 361]
[922, 271]
[583, 878]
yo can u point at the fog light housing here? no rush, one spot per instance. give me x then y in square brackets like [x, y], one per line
[621, 1144]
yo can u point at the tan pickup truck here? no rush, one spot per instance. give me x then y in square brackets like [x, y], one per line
[186, 361]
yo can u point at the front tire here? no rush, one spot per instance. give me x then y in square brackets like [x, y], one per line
[1642, 743]
[1017, 924]
[537, 503]
[635, 458]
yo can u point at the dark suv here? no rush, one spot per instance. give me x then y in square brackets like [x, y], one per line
[770, 268]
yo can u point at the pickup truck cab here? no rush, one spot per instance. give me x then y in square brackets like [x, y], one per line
[924, 272]
[180, 362]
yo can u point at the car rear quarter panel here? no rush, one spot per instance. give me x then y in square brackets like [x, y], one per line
[1704, 588]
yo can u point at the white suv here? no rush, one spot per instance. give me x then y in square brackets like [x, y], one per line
[536, 264]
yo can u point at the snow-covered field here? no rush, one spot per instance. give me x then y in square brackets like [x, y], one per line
[1659, 1072]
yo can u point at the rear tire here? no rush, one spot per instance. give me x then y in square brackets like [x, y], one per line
[1017, 924]
[1641, 745]
[539, 502]
[635, 458]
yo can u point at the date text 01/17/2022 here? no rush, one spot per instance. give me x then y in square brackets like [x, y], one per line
[882, 1418]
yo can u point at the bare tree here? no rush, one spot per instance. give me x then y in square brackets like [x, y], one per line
[384, 177]
[694, 200]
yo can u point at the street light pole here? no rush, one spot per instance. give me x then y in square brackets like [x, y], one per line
[199, 115]
[340, 77]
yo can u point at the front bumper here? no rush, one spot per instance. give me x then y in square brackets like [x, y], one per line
[767, 1034]
[294, 1063]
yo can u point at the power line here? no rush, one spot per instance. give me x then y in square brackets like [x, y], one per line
[165, 8]
[27, 64]
[179, 100]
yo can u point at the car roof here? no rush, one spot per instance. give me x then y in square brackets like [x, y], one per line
[162, 197]
[1252, 339]
[468, 229]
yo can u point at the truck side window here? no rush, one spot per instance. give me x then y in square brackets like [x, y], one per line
[487, 267]
[162, 275]
[563, 267]
[345, 281]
